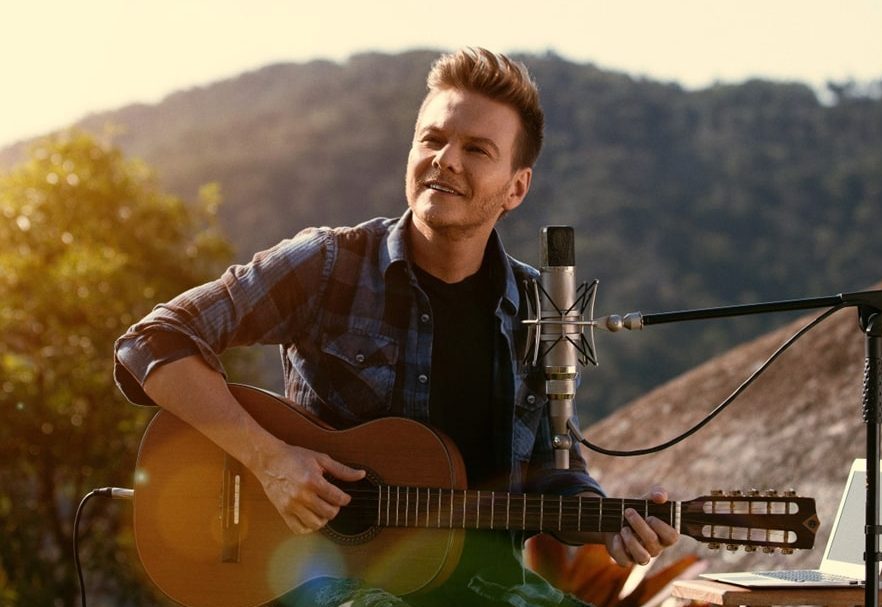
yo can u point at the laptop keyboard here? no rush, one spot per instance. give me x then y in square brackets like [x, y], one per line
[806, 575]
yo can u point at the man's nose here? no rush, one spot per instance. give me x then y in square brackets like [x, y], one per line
[448, 158]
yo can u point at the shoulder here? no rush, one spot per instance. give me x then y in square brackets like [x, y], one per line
[326, 240]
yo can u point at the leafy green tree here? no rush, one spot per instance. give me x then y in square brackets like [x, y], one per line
[88, 243]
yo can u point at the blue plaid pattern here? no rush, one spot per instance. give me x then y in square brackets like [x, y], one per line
[355, 333]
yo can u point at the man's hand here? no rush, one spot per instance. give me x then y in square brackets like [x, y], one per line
[642, 539]
[295, 481]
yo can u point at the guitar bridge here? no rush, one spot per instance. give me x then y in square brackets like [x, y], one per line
[231, 500]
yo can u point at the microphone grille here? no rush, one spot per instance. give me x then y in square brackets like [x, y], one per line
[558, 246]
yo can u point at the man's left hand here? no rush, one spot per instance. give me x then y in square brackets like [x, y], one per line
[642, 539]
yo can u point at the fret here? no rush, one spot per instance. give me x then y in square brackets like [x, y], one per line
[478, 512]
[428, 505]
[579, 516]
[492, 507]
[559, 511]
[600, 517]
[439, 508]
[451, 508]
[406, 504]
[622, 518]
[379, 506]
[541, 511]
[464, 495]
[388, 502]
[416, 514]
[524, 514]
[507, 508]
[397, 503]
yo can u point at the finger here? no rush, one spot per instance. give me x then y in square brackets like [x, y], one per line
[296, 525]
[667, 535]
[341, 471]
[635, 549]
[331, 494]
[643, 532]
[617, 551]
[658, 494]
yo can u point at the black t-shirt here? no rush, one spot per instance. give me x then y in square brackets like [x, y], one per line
[461, 391]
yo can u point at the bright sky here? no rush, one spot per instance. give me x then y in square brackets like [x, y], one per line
[62, 60]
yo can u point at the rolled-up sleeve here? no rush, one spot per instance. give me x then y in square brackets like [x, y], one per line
[270, 300]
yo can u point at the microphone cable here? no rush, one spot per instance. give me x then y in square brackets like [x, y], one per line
[719, 408]
[111, 492]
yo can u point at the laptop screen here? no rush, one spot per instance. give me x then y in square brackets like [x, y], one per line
[847, 543]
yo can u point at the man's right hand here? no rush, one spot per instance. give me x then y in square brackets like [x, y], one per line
[293, 478]
[295, 481]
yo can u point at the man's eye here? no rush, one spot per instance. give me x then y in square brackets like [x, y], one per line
[478, 150]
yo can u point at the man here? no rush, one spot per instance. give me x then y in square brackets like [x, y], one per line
[418, 317]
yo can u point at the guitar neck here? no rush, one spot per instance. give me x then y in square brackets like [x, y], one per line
[768, 521]
[393, 506]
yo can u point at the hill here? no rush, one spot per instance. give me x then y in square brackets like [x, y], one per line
[680, 199]
[799, 426]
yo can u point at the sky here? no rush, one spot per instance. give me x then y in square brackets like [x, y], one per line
[62, 60]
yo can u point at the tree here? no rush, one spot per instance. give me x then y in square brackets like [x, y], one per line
[88, 243]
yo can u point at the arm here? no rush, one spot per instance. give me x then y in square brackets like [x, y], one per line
[292, 477]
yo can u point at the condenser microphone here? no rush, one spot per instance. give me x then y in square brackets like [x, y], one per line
[558, 329]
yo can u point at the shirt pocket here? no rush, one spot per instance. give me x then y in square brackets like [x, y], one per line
[530, 411]
[360, 372]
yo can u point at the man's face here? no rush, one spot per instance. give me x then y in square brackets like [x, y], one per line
[459, 171]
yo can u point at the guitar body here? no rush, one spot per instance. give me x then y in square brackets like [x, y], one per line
[208, 536]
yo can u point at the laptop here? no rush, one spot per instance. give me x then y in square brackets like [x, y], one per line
[843, 562]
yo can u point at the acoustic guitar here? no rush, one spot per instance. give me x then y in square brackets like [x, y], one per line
[208, 536]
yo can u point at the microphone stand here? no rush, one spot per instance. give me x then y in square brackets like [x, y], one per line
[869, 306]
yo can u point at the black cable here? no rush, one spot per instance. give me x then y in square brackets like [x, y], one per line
[113, 492]
[719, 408]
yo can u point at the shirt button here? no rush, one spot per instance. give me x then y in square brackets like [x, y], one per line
[424, 318]
[531, 399]
[359, 358]
[423, 378]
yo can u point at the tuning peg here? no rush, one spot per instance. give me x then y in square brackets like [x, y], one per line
[770, 493]
[786, 550]
[735, 493]
[750, 548]
[731, 547]
[768, 549]
[790, 493]
[753, 492]
[713, 546]
[716, 492]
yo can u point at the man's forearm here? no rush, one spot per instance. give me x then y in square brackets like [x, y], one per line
[198, 395]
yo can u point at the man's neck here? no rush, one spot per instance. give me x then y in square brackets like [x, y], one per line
[448, 257]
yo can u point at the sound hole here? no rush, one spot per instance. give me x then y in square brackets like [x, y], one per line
[356, 522]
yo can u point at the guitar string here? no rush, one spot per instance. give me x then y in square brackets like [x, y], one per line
[364, 507]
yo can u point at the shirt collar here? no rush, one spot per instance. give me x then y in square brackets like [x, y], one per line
[395, 252]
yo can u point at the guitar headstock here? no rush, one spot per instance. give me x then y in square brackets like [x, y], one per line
[753, 520]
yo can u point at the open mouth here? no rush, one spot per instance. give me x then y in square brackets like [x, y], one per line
[442, 187]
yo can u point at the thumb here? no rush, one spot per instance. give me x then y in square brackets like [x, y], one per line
[658, 494]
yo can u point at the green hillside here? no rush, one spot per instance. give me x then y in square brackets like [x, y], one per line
[731, 194]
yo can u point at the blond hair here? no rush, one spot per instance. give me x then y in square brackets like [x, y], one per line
[495, 76]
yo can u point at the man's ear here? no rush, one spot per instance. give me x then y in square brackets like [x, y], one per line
[520, 185]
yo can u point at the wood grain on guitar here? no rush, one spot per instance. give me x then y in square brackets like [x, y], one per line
[208, 536]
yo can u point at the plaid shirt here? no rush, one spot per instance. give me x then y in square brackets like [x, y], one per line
[355, 331]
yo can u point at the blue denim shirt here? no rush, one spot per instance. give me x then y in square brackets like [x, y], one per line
[355, 332]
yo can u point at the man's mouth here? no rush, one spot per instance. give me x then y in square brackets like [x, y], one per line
[439, 186]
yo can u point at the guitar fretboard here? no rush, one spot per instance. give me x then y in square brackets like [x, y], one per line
[395, 506]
